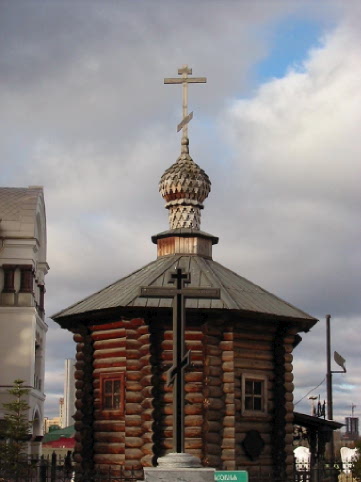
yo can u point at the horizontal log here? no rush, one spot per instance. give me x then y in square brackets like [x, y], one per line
[215, 414]
[102, 415]
[193, 444]
[193, 387]
[119, 362]
[253, 364]
[229, 421]
[133, 397]
[109, 353]
[112, 343]
[109, 437]
[213, 360]
[77, 457]
[215, 404]
[108, 326]
[228, 377]
[148, 438]
[213, 350]
[109, 426]
[214, 371]
[213, 391]
[134, 376]
[147, 403]
[132, 334]
[109, 459]
[213, 426]
[230, 408]
[147, 391]
[133, 344]
[228, 387]
[228, 443]
[147, 449]
[133, 408]
[213, 437]
[213, 460]
[133, 453]
[228, 356]
[228, 454]
[254, 354]
[143, 328]
[78, 426]
[193, 420]
[109, 369]
[289, 386]
[228, 366]
[136, 431]
[133, 442]
[194, 409]
[255, 342]
[108, 335]
[193, 376]
[147, 425]
[288, 377]
[147, 460]
[148, 414]
[213, 381]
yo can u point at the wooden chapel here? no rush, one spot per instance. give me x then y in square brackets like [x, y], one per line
[239, 385]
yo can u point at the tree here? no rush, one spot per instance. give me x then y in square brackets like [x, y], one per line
[15, 429]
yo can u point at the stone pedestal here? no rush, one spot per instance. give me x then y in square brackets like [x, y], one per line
[178, 468]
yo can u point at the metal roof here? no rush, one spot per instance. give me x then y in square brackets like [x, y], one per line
[237, 293]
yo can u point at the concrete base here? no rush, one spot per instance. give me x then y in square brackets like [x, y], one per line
[178, 468]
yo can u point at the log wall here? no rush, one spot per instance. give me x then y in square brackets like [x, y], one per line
[215, 423]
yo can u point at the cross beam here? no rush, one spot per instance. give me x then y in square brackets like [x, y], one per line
[185, 80]
[181, 360]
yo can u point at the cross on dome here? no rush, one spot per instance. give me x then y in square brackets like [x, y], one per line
[185, 80]
[184, 186]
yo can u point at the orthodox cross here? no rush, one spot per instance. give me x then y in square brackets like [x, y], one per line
[185, 80]
[181, 360]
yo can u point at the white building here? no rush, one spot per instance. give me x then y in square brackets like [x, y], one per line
[23, 268]
[69, 393]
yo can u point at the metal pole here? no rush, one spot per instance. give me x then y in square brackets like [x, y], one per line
[329, 383]
[329, 373]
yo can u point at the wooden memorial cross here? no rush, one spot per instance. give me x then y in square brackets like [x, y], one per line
[185, 80]
[181, 360]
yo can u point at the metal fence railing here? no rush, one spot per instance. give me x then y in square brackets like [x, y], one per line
[55, 468]
[61, 469]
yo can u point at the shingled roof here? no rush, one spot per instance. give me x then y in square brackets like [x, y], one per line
[237, 293]
[18, 207]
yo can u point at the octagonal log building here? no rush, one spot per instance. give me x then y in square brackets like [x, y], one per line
[239, 386]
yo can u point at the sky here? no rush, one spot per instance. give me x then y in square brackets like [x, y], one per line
[84, 113]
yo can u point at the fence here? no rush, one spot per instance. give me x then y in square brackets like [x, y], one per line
[60, 469]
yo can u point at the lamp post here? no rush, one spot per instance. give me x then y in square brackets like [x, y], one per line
[341, 362]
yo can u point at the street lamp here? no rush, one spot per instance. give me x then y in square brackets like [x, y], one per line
[340, 362]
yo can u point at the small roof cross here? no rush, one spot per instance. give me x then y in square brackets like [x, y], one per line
[185, 80]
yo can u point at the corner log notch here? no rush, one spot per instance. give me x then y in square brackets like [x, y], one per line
[283, 401]
[84, 417]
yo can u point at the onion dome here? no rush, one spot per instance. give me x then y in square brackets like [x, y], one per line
[184, 187]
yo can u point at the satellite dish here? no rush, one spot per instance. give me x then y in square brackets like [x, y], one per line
[340, 361]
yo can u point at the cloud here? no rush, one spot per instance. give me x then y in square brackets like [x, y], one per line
[85, 113]
[297, 155]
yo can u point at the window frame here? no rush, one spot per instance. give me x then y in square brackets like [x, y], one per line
[254, 377]
[113, 376]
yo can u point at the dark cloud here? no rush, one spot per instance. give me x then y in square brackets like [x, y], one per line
[84, 112]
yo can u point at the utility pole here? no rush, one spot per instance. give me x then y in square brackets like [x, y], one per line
[329, 383]
[341, 362]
